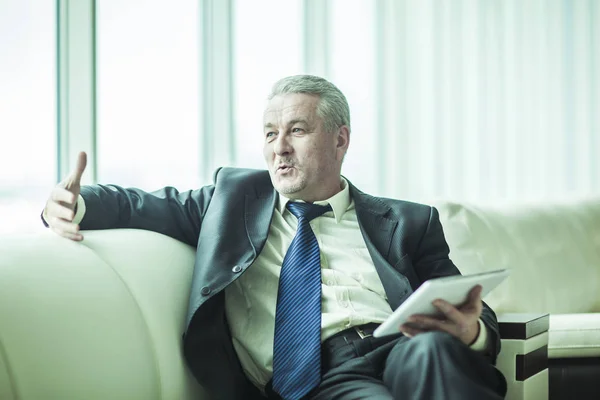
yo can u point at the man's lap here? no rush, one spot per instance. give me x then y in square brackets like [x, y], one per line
[353, 372]
[375, 368]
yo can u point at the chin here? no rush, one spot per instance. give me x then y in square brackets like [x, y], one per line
[288, 188]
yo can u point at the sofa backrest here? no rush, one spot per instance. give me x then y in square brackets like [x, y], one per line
[553, 252]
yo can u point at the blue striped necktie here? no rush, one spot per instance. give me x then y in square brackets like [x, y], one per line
[297, 344]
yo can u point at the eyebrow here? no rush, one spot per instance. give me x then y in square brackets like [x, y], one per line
[292, 122]
[298, 121]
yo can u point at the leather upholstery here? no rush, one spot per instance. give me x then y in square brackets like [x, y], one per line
[100, 319]
[574, 335]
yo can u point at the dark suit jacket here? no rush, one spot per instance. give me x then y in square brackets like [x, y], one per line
[229, 223]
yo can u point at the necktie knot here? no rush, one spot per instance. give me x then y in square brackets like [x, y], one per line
[307, 210]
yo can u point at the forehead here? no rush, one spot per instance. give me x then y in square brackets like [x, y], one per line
[282, 108]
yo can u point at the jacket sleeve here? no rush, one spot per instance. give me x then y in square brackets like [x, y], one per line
[431, 261]
[166, 211]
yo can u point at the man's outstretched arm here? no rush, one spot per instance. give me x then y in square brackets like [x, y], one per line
[166, 211]
[71, 207]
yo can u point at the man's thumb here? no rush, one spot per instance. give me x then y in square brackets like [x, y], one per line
[79, 168]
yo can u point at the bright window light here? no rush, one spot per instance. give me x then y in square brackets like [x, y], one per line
[148, 93]
[27, 112]
[268, 46]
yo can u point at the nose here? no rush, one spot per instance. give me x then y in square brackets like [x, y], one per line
[282, 145]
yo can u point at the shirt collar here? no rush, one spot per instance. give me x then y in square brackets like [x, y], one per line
[339, 202]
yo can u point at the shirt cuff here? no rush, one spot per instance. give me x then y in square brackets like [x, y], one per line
[45, 218]
[480, 344]
[80, 213]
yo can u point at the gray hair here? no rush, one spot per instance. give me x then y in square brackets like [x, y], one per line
[333, 106]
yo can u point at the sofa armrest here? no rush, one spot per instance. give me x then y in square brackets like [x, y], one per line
[97, 319]
[523, 358]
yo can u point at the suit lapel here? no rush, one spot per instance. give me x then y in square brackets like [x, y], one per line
[259, 206]
[376, 220]
[377, 224]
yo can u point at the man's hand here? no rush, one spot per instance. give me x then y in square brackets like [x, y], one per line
[461, 322]
[60, 207]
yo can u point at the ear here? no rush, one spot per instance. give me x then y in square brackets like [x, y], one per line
[343, 139]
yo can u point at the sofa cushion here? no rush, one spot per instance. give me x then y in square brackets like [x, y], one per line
[574, 335]
[553, 251]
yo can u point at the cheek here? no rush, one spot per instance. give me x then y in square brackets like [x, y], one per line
[324, 154]
[308, 155]
[316, 156]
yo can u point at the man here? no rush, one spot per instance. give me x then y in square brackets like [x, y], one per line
[295, 268]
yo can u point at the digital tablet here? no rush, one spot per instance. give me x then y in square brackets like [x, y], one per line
[454, 289]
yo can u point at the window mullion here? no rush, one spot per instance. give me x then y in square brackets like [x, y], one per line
[216, 87]
[76, 91]
[317, 37]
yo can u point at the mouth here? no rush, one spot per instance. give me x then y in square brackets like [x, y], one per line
[283, 168]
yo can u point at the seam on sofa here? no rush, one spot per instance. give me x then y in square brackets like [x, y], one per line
[9, 371]
[137, 305]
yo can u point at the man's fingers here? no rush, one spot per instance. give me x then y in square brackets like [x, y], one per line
[75, 178]
[475, 294]
[449, 311]
[57, 210]
[426, 324]
[59, 194]
[473, 304]
[408, 331]
[62, 225]
[65, 229]
[73, 236]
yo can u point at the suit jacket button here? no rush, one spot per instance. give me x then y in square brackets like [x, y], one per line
[205, 291]
[237, 269]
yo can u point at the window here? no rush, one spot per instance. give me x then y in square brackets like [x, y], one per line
[352, 70]
[268, 43]
[27, 112]
[148, 108]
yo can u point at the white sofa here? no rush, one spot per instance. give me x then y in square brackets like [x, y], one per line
[553, 252]
[100, 319]
[103, 319]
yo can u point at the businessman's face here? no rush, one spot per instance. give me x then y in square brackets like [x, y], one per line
[303, 160]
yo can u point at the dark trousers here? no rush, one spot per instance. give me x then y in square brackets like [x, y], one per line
[430, 366]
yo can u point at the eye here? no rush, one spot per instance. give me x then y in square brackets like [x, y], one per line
[296, 130]
[270, 135]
